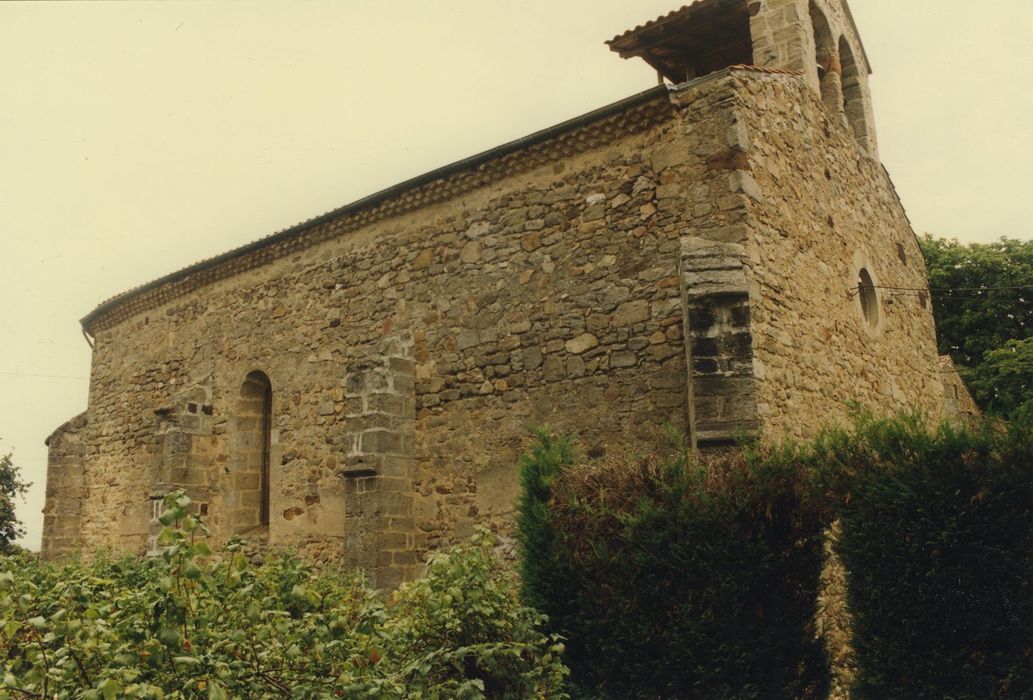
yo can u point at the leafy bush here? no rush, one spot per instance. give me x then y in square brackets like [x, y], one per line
[937, 543]
[192, 625]
[460, 631]
[674, 577]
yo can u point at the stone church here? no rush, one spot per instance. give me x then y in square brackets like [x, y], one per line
[719, 252]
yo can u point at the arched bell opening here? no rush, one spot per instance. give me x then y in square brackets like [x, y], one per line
[826, 56]
[853, 94]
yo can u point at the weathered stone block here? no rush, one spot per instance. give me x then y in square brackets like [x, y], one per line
[391, 541]
[578, 345]
[632, 312]
[381, 441]
[553, 368]
[622, 359]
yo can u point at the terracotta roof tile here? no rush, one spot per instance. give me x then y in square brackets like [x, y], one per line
[765, 69]
[662, 18]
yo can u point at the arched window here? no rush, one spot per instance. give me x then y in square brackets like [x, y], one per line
[853, 93]
[827, 59]
[248, 495]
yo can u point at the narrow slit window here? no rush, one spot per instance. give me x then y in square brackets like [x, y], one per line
[867, 297]
[249, 487]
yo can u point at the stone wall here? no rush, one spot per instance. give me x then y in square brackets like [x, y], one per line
[65, 480]
[821, 211]
[685, 258]
[409, 355]
[959, 407]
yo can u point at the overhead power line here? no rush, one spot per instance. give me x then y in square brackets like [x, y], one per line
[1017, 288]
[43, 376]
[956, 293]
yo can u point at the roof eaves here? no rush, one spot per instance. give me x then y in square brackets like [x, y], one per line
[652, 23]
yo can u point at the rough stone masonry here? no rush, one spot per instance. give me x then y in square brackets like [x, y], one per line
[715, 253]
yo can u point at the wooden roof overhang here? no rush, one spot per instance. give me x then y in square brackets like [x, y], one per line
[697, 39]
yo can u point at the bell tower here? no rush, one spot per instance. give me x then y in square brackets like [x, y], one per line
[817, 38]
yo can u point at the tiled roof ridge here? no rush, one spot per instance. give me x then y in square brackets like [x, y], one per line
[765, 69]
[631, 115]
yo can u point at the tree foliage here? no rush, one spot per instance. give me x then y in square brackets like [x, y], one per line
[981, 310]
[1003, 381]
[192, 625]
[11, 488]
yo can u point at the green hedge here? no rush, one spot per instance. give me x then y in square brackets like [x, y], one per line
[189, 625]
[674, 578]
[937, 543]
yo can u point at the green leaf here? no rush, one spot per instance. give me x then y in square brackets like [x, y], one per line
[170, 637]
[191, 570]
[108, 688]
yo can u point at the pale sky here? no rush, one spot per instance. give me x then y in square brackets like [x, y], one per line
[138, 138]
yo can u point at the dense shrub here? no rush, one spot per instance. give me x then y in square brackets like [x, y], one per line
[937, 543]
[191, 625]
[674, 577]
